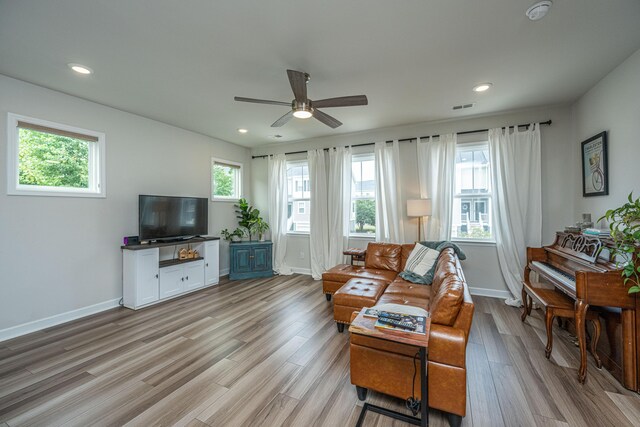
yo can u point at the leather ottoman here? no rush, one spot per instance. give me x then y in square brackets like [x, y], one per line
[355, 294]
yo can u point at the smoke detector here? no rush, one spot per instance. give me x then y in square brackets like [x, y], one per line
[538, 10]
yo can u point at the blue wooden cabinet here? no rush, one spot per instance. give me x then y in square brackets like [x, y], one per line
[250, 260]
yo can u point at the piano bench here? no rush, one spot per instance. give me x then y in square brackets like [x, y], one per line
[558, 304]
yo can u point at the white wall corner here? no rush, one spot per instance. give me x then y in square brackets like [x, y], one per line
[47, 322]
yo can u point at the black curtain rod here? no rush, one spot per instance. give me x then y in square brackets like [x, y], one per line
[466, 132]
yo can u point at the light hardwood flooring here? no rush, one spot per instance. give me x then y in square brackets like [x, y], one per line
[266, 353]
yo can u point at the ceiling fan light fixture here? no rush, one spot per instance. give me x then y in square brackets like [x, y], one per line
[302, 113]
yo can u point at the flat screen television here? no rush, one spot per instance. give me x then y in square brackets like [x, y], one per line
[167, 217]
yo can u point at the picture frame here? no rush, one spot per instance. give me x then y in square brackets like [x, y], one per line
[595, 166]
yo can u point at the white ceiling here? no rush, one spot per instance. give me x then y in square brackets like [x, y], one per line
[182, 62]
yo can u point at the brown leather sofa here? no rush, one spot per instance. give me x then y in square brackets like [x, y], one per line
[388, 367]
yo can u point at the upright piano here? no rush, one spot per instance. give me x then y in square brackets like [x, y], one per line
[582, 267]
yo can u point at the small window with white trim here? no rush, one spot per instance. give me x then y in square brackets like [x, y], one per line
[226, 180]
[51, 159]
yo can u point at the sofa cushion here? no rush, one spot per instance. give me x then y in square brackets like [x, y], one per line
[359, 292]
[446, 266]
[404, 288]
[343, 272]
[413, 300]
[383, 256]
[446, 300]
[421, 260]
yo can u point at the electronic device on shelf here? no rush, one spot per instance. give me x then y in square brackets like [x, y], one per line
[167, 217]
[397, 323]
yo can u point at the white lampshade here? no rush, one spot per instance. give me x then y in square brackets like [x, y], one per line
[419, 207]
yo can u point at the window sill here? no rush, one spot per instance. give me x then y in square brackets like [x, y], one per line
[216, 199]
[359, 237]
[298, 233]
[56, 193]
[476, 242]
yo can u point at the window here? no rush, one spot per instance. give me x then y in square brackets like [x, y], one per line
[298, 194]
[472, 200]
[226, 180]
[363, 196]
[50, 159]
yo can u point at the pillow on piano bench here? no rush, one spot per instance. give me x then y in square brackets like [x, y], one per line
[421, 261]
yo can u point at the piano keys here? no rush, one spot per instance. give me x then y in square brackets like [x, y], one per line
[580, 267]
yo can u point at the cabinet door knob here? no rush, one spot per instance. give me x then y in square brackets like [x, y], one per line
[206, 265]
[182, 279]
[156, 276]
[187, 277]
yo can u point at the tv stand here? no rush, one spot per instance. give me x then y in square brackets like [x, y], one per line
[152, 274]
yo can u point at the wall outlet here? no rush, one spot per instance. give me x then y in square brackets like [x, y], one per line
[301, 255]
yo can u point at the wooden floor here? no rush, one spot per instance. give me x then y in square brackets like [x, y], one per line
[266, 353]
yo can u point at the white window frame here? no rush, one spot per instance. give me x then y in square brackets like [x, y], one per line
[97, 162]
[294, 200]
[356, 235]
[489, 195]
[239, 177]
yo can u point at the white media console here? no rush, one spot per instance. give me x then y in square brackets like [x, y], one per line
[152, 273]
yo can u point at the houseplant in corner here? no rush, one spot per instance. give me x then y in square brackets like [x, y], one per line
[260, 227]
[624, 223]
[248, 216]
[232, 236]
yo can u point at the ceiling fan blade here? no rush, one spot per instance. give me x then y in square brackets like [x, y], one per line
[298, 81]
[343, 101]
[326, 119]
[282, 120]
[261, 101]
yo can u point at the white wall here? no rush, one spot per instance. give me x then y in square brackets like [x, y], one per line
[612, 105]
[481, 267]
[59, 254]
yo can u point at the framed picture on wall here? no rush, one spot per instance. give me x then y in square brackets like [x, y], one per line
[595, 169]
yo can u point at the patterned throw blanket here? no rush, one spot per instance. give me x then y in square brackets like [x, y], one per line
[428, 277]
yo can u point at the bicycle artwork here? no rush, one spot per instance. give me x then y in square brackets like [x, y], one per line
[595, 180]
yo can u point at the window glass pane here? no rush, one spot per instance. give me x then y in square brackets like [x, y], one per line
[49, 160]
[363, 202]
[472, 170]
[472, 203]
[299, 192]
[225, 181]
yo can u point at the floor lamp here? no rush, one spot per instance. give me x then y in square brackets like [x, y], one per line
[418, 208]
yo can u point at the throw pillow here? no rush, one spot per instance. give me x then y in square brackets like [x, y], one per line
[421, 260]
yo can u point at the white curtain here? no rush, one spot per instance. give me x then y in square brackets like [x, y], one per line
[388, 201]
[436, 173]
[319, 231]
[338, 204]
[277, 173]
[517, 197]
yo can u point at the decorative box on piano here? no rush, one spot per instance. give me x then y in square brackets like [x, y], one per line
[580, 266]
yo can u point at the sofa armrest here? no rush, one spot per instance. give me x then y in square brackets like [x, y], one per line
[447, 345]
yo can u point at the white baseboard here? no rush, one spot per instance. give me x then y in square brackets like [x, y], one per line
[36, 325]
[492, 293]
[298, 270]
[224, 272]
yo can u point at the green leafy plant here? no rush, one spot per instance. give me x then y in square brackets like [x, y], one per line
[249, 217]
[365, 213]
[624, 223]
[260, 227]
[229, 235]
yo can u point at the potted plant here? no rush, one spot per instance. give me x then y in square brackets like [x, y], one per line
[624, 223]
[260, 227]
[232, 236]
[247, 215]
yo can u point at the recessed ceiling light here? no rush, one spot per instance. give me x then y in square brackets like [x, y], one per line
[80, 69]
[242, 130]
[538, 10]
[482, 87]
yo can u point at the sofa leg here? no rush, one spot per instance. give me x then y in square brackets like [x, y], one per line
[454, 420]
[340, 327]
[328, 297]
[362, 393]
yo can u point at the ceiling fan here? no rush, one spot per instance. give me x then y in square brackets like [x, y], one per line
[303, 108]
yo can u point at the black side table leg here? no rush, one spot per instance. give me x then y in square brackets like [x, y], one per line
[424, 389]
